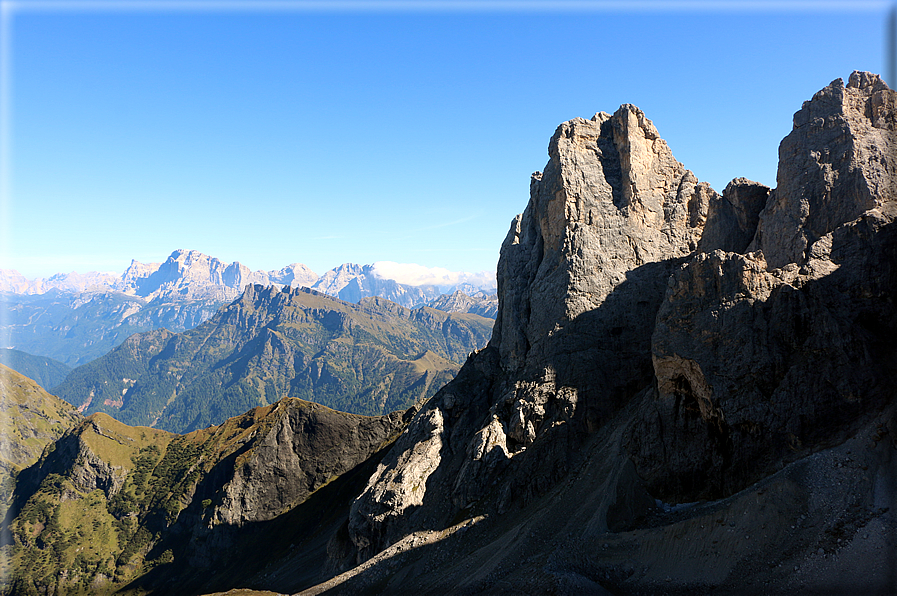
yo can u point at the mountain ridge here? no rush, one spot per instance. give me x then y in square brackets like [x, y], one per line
[77, 319]
[368, 358]
[149, 497]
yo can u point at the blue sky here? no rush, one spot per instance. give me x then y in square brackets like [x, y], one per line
[370, 131]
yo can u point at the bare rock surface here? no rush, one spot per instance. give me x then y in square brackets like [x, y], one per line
[606, 220]
[838, 162]
[305, 447]
[732, 218]
[674, 377]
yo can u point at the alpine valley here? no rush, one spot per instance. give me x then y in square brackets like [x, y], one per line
[684, 392]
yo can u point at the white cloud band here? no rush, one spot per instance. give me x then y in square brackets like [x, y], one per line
[417, 275]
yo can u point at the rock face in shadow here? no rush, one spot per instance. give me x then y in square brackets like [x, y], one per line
[769, 354]
[676, 344]
[732, 218]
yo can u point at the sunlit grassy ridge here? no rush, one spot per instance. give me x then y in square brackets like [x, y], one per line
[107, 495]
[30, 419]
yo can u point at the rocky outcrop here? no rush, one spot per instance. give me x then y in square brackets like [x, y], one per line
[658, 344]
[732, 218]
[762, 356]
[306, 447]
[837, 163]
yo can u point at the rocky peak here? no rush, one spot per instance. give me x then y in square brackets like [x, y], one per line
[295, 275]
[611, 198]
[191, 274]
[137, 271]
[336, 279]
[838, 162]
[581, 276]
[636, 346]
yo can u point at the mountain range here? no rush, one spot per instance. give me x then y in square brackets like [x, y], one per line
[77, 318]
[192, 275]
[685, 392]
[371, 358]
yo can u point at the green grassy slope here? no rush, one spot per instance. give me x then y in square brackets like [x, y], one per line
[30, 419]
[113, 507]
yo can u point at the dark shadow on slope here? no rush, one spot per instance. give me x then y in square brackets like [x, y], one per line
[605, 354]
[285, 554]
[56, 460]
[792, 374]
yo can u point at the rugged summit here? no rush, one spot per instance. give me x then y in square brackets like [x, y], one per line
[837, 164]
[193, 275]
[581, 276]
[351, 282]
[636, 362]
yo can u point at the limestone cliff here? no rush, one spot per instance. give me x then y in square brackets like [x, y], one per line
[667, 360]
[581, 276]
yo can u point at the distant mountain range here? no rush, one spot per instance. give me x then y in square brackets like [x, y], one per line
[75, 318]
[190, 274]
[371, 358]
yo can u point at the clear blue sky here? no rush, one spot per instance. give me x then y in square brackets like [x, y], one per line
[324, 136]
